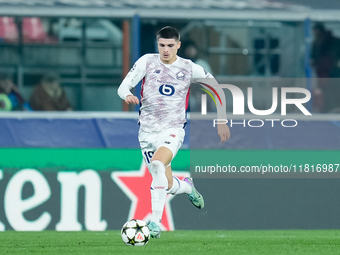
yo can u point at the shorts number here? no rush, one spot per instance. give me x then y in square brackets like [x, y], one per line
[148, 155]
[166, 90]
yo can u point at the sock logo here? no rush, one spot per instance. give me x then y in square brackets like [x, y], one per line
[159, 187]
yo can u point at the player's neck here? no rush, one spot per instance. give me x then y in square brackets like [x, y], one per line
[170, 61]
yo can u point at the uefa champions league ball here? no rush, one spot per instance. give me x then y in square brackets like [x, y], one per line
[135, 232]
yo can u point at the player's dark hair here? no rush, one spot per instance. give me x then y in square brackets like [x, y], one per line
[168, 33]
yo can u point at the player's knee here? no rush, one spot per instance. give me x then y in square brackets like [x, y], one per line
[157, 167]
[163, 154]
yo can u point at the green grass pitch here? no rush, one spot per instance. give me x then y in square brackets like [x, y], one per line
[174, 243]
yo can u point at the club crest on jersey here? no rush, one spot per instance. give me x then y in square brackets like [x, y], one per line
[157, 71]
[173, 135]
[180, 75]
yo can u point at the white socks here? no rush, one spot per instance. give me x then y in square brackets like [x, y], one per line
[179, 187]
[159, 190]
[159, 187]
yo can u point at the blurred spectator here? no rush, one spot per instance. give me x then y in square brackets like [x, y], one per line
[5, 102]
[10, 97]
[49, 95]
[325, 60]
[190, 51]
[325, 52]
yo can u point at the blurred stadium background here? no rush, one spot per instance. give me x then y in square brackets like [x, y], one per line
[51, 162]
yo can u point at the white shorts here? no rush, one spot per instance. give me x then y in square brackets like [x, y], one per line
[171, 138]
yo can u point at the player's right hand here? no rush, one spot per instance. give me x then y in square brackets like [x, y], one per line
[131, 99]
[223, 131]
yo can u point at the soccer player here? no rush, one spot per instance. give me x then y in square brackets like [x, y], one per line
[164, 98]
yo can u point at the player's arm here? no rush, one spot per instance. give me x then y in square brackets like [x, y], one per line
[199, 73]
[136, 73]
[131, 99]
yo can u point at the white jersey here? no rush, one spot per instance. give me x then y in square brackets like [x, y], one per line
[164, 92]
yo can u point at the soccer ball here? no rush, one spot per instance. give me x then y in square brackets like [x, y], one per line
[135, 232]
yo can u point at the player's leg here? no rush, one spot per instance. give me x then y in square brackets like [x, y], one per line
[195, 197]
[162, 181]
[172, 140]
[147, 144]
[185, 187]
[169, 177]
[169, 143]
[176, 186]
[159, 184]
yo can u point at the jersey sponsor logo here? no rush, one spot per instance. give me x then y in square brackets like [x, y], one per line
[167, 142]
[166, 90]
[168, 83]
[180, 75]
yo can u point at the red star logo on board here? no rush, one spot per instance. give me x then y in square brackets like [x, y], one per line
[136, 185]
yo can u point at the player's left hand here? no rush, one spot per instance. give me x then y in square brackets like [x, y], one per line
[223, 131]
[131, 99]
